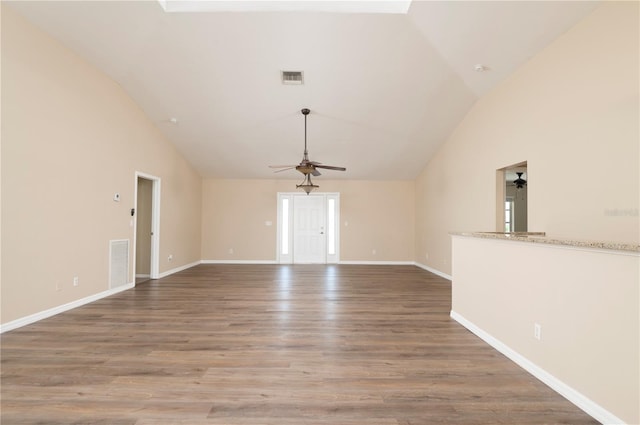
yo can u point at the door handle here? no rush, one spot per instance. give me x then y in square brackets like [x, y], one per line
[322, 233]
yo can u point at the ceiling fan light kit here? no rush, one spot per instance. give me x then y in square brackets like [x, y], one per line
[307, 185]
[307, 167]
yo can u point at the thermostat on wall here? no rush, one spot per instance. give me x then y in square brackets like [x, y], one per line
[116, 197]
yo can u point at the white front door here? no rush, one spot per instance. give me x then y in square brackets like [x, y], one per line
[308, 228]
[309, 217]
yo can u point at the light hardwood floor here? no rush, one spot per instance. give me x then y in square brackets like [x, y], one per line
[268, 344]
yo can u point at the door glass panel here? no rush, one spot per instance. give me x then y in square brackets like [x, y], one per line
[331, 227]
[285, 227]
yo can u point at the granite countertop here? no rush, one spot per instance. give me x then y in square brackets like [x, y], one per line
[540, 237]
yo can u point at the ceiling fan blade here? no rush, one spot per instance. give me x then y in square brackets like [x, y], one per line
[307, 167]
[331, 167]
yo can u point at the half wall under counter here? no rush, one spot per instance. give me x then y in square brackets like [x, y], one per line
[584, 298]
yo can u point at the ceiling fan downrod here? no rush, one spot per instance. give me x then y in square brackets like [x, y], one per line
[305, 156]
[306, 167]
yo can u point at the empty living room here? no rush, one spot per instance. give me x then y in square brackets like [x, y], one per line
[391, 212]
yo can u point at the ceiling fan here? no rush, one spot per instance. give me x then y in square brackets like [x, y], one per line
[306, 166]
[519, 183]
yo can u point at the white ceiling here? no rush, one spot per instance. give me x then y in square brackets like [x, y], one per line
[385, 90]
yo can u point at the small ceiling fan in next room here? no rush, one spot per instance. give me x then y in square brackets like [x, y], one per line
[307, 167]
[519, 183]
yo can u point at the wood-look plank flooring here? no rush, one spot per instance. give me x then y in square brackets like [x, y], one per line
[270, 344]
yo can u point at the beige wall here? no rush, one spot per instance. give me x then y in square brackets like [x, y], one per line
[0, 169]
[571, 112]
[586, 302]
[71, 138]
[380, 216]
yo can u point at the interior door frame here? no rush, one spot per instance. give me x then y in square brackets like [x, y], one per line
[155, 223]
[288, 258]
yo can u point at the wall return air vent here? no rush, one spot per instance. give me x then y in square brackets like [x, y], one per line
[118, 262]
[292, 77]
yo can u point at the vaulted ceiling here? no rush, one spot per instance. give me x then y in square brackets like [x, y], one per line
[385, 90]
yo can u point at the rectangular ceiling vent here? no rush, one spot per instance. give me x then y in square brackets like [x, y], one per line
[292, 77]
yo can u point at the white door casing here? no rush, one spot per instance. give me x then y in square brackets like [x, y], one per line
[155, 223]
[308, 228]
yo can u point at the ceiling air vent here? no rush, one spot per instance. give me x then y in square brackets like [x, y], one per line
[292, 77]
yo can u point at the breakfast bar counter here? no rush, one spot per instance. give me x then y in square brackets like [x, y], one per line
[566, 311]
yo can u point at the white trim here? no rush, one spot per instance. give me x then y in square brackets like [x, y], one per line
[589, 406]
[291, 196]
[238, 262]
[177, 269]
[379, 263]
[155, 228]
[32, 318]
[155, 222]
[142, 275]
[27, 320]
[434, 271]
[384, 7]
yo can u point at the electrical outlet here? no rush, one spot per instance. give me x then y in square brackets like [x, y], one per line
[537, 331]
[230, 250]
[58, 287]
[170, 257]
[374, 252]
[426, 256]
[76, 281]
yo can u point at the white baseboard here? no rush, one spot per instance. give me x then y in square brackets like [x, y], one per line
[350, 262]
[434, 271]
[275, 262]
[589, 406]
[23, 321]
[142, 275]
[379, 263]
[32, 318]
[178, 269]
[238, 262]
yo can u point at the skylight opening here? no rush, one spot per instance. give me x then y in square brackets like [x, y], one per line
[333, 6]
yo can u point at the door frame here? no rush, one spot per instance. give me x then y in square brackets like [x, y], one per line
[155, 223]
[288, 258]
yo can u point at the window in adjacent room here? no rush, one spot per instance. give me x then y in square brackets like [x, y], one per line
[508, 214]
